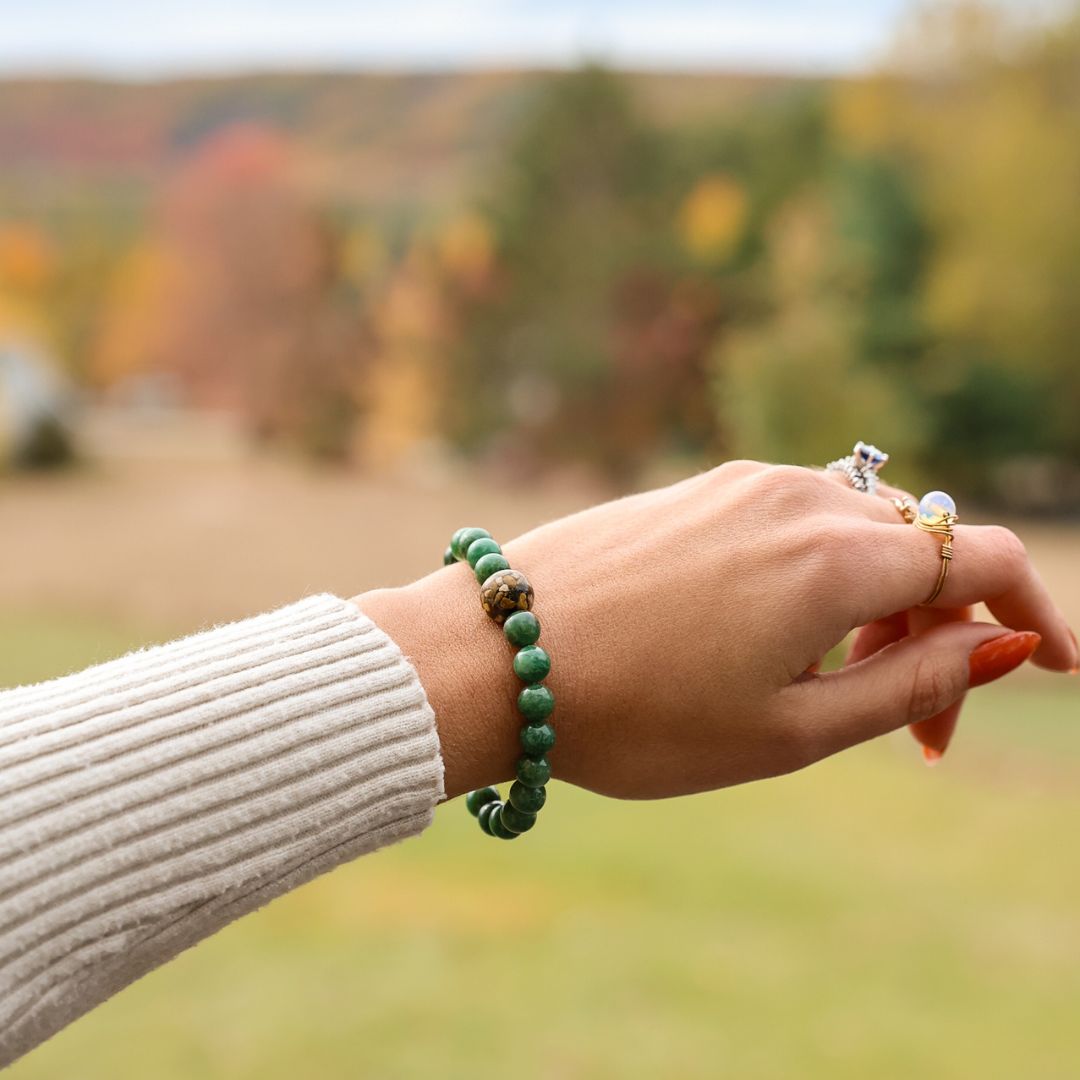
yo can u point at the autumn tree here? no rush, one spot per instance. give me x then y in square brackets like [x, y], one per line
[254, 314]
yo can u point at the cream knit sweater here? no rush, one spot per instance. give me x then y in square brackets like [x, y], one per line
[147, 802]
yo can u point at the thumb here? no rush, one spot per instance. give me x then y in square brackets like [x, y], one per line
[911, 680]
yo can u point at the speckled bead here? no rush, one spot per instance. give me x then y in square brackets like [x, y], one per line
[481, 797]
[460, 541]
[504, 593]
[495, 824]
[515, 820]
[490, 564]
[485, 545]
[448, 557]
[529, 800]
[531, 664]
[536, 703]
[522, 628]
[533, 772]
[537, 739]
[484, 817]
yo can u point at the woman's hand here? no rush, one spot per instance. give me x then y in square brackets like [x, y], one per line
[682, 623]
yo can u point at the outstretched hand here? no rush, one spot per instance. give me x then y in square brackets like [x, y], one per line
[685, 624]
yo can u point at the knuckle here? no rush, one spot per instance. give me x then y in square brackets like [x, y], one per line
[1008, 547]
[783, 483]
[729, 471]
[740, 467]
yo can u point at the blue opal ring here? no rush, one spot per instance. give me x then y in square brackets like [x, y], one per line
[861, 467]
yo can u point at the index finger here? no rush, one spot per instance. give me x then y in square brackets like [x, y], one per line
[989, 565]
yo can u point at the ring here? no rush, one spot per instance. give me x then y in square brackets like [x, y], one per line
[861, 467]
[936, 513]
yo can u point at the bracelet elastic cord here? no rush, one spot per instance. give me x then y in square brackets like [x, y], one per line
[507, 597]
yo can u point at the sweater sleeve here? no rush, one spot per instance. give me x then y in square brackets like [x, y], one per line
[147, 802]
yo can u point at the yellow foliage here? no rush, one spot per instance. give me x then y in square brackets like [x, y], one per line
[26, 258]
[133, 311]
[466, 248]
[862, 113]
[711, 217]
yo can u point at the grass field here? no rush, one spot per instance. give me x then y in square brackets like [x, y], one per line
[867, 918]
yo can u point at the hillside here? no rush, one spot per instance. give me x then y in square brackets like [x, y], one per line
[381, 141]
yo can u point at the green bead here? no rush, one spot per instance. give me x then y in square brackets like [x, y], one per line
[480, 797]
[496, 825]
[489, 564]
[484, 817]
[455, 541]
[448, 557]
[537, 739]
[529, 800]
[461, 540]
[522, 628]
[536, 703]
[531, 664]
[533, 772]
[479, 548]
[516, 821]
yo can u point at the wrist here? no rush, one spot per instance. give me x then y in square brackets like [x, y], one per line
[443, 632]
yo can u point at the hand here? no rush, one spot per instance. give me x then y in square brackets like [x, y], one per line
[682, 623]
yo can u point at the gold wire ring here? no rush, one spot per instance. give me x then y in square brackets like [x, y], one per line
[936, 513]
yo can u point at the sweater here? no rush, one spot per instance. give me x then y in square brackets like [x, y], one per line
[147, 802]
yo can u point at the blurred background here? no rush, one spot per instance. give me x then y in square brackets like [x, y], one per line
[288, 292]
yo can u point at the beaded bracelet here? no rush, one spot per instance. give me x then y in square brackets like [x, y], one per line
[507, 597]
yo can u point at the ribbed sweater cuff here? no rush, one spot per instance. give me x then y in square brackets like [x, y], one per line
[147, 802]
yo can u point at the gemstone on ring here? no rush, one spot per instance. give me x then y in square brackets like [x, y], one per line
[936, 508]
[868, 456]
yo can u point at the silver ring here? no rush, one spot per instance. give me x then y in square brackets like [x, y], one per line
[861, 467]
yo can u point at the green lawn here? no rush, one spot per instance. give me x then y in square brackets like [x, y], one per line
[868, 918]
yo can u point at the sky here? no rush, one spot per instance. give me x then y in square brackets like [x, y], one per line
[147, 38]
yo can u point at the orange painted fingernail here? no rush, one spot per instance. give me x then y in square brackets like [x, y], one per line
[931, 756]
[1000, 655]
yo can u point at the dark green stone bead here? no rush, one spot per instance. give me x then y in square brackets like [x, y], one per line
[522, 628]
[529, 800]
[479, 548]
[448, 557]
[480, 797]
[455, 541]
[531, 664]
[461, 540]
[484, 817]
[489, 564]
[496, 825]
[516, 821]
[536, 703]
[537, 739]
[533, 772]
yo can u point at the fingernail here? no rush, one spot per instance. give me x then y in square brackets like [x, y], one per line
[1000, 655]
[931, 756]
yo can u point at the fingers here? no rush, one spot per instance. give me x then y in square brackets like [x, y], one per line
[875, 636]
[935, 733]
[905, 683]
[989, 565]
